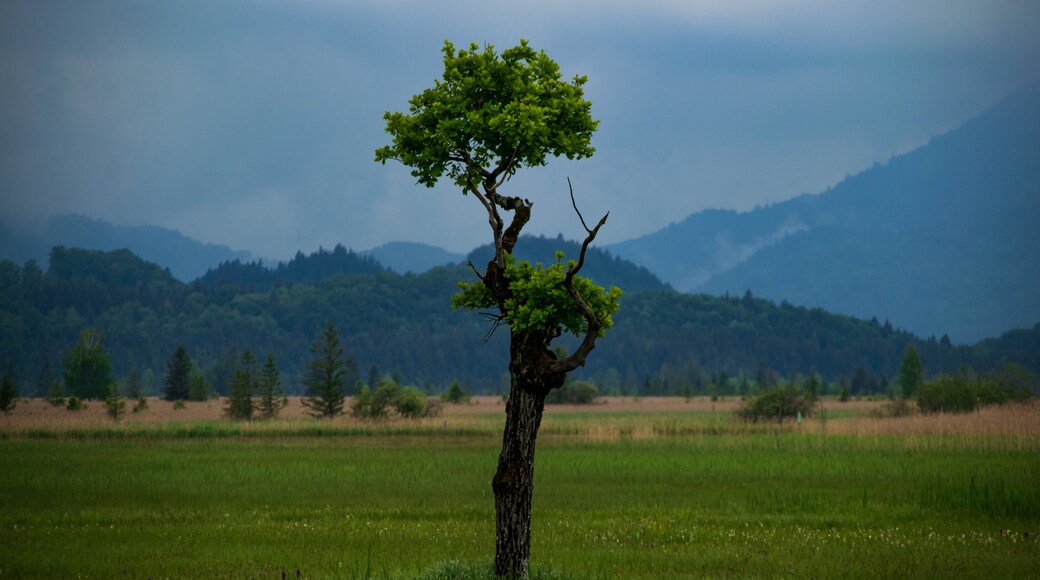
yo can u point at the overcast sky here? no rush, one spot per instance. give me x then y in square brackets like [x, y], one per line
[252, 123]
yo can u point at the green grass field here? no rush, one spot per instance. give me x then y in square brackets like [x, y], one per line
[215, 500]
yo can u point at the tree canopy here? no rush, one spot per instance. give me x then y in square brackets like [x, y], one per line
[489, 116]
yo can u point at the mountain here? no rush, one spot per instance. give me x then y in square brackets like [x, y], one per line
[600, 266]
[662, 341]
[941, 240]
[405, 257]
[186, 258]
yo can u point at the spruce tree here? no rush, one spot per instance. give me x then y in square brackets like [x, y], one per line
[178, 375]
[240, 400]
[324, 377]
[272, 400]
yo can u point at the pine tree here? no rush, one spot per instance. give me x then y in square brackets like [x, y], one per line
[8, 393]
[240, 400]
[178, 375]
[272, 400]
[115, 404]
[324, 377]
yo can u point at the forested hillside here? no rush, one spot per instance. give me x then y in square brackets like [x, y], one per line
[662, 342]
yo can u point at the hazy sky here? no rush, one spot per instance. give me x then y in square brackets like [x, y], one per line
[252, 123]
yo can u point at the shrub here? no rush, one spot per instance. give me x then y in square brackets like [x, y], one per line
[966, 391]
[410, 402]
[362, 402]
[776, 404]
[115, 403]
[74, 404]
[178, 405]
[573, 393]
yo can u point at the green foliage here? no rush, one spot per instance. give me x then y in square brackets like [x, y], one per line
[272, 399]
[239, 403]
[911, 374]
[140, 404]
[776, 404]
[362, 402]
[56, 394]
[965, 391]
[539, 299]
[399, 322]
[812, 385]
[325, 376]
[8, 392]
[178, 375]
[383, 398]
[198, 388]
[573, 393]
[74, 404]
[178, 404]
[87, 371]
[115, 403]
[456, 395]
[843, 396]
[410, 403]
[488, 108]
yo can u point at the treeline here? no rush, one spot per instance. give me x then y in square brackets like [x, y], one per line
[663, 342]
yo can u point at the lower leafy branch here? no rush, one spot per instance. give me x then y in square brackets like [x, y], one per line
[539, 299]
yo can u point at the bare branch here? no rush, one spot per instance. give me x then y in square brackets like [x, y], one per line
[594, 324]
[475, 271]
[575, 205]
[496, 321]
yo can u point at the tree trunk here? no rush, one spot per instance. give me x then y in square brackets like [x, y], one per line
[513, 483]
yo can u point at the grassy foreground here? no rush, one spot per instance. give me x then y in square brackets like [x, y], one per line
[626, 494]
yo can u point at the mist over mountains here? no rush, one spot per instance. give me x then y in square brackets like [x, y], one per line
[941, 240]
[186, 258]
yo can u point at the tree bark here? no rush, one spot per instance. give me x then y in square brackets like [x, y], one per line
[513, 484]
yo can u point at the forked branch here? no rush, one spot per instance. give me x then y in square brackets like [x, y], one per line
[594, 324]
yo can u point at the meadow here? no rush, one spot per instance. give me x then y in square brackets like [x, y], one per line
[646, 488]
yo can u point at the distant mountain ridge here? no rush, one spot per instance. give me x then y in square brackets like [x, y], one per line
[186, 258]
[941, 240]
[412, 257]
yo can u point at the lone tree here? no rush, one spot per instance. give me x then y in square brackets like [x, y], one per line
[491, 115]
[325, 376]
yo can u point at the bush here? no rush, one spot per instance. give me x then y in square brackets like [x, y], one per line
[407, 402]
[776, 404]
[410, 402]
[966, 391]
[573, 393]
[74, 404]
